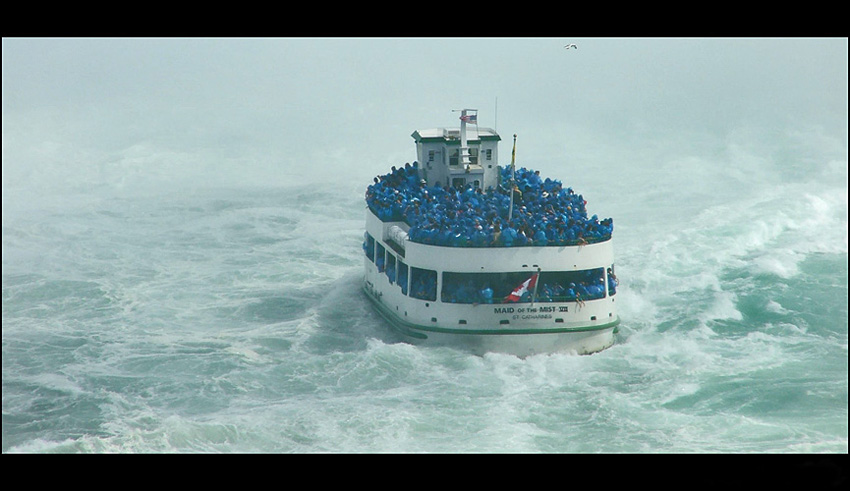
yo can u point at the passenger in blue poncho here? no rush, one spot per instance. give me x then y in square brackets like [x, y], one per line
[509, 235]
[486, 294]
[558, 292]
[570, 292]
[540, 238]
[497, 235]
[612, 282]
[545, 212]
[521, 238]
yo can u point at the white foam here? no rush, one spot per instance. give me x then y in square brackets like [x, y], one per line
[723, 307]
[57, 382]
[775, 307]
[783, 264]
[246, 354]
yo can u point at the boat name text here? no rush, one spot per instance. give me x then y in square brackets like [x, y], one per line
[530, 310]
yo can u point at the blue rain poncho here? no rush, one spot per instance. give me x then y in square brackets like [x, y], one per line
[545, 211]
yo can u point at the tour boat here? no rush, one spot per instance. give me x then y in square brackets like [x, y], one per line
[460, 251]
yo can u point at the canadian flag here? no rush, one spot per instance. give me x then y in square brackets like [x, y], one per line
[524, 287]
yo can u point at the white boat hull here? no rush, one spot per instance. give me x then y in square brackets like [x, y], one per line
[521, 342]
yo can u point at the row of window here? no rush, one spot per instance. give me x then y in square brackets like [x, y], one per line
[454, 158]
[422, 283]
[475, 288]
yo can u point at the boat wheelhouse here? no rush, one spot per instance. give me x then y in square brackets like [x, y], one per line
[463, 252]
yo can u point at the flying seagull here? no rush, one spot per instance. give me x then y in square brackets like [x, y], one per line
[571, 46]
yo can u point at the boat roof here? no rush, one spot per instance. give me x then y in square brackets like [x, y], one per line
[451, 134]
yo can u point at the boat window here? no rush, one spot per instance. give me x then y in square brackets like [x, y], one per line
[477, 287]
[612, 281]
[423, 284]
[391, 268]
[568, 286]
[402, 276]
[369, 247]
[379, 257]
[562, 286]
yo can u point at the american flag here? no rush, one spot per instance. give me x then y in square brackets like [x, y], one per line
[470, 118]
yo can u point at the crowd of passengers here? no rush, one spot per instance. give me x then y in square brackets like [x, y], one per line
[590, 289]
[545, 213]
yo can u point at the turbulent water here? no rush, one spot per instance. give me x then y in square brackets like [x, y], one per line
[148, 307]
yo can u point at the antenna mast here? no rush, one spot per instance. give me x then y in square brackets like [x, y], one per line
[464, 148]
[513, 179]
